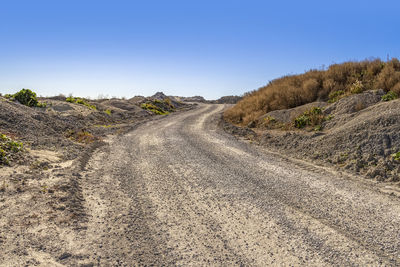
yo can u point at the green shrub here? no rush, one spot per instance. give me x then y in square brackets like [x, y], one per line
[335, 96]
[311, 117]
[108, 112]
[389, 96]
[315, 110]
[269, 119]
[396, 156]
[26, 97]
[302, 121]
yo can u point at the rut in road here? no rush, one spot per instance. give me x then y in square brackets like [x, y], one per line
[197, 196]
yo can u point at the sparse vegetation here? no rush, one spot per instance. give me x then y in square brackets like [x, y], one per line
[159, 107]
[313, 117]
[26, 97]
[335, 96]
[108, 111]
[153, 108]
[8, 149]
[269, 119]
[80, 101]
[357, 87]
[318, 128]
[396, 156]
[81, 136]
[338, 81]
[389, 96]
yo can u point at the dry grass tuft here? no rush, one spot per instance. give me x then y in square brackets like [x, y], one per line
[337, 81]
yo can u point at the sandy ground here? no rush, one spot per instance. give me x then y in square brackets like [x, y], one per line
[181, 191]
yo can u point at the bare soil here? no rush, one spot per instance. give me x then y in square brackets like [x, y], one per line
[42, 204]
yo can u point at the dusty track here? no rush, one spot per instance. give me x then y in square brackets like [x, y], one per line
[179, 191]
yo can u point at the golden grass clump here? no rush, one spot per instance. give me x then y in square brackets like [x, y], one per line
[295, 90]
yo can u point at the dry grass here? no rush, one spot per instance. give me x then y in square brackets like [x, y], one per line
[295, 90]
[81, 136]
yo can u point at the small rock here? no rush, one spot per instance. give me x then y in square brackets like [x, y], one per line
[64, 256]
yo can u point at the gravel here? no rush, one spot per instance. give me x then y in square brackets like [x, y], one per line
[181, 191]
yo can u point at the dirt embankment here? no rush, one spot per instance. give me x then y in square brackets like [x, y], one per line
[359, 133]
[41, 201]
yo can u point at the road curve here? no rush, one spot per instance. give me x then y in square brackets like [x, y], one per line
[197, 196]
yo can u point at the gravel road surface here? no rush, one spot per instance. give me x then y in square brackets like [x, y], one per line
[180, 191]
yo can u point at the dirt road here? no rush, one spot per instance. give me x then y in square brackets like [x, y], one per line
[180, 191]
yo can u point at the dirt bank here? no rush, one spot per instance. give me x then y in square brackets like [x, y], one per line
[42, 205]
[358, 134]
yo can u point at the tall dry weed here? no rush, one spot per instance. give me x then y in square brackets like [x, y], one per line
[295, 90]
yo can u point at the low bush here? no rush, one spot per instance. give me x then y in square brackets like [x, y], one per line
[313, 117]
[389, 96]
[335, 96]
[396, 156]
[26, 97]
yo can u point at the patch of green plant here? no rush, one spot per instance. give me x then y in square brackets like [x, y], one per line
[80, 101]
[3, 157]
[26, 97]
[328, 118]
[318, 128]
[301, 121]
[396, 156]
[315, 110]
[389, 96]
[154, 109]
[335, 96]
[8, 148]
[312, 117]
[108, 111]
[269, 119]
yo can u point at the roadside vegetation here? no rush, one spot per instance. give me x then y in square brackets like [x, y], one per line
[352, 106]
[332, 84]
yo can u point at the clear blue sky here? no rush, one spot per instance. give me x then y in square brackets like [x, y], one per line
[209, 48]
